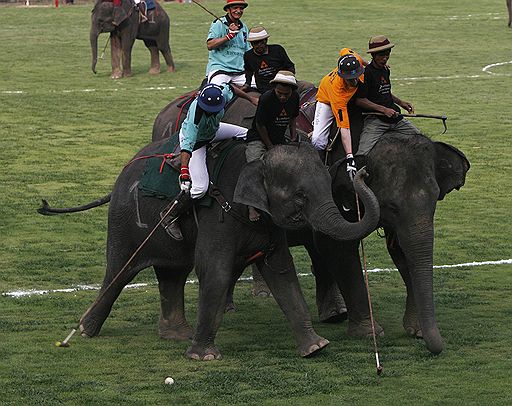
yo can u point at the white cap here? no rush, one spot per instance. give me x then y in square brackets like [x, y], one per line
[257, 34]
[285, 77]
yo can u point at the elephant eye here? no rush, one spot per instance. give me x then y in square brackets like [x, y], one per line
[299, 199]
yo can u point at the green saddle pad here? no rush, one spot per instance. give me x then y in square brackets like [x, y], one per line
[161, 180]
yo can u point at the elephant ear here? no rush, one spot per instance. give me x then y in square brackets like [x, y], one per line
[451, 168]
[250, 188]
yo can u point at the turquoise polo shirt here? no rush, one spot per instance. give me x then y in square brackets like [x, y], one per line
[229, 57]
[194, 135]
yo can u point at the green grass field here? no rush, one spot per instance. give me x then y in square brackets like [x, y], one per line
[65, 134]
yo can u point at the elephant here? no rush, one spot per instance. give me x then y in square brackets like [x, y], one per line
[154, 33]
[509, 7]
[222, 242]
[408, 175]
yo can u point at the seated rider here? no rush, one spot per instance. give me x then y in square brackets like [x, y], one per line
[119, 14]
[200, 128]
[277, 110]
[374, 95]
[263, 61]
[334, 92]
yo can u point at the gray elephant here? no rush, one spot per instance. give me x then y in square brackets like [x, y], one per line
[124, 31]
[222, 242]
[509, 8]
[408, 176]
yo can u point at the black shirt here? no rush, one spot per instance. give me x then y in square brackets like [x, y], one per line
[274, 116]
[377, 89]
[264, 67]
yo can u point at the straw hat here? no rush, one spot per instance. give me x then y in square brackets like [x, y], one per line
[379, 43]
[257, 34]
[285, 77]
[231, 3]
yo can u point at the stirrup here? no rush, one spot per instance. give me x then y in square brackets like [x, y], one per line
[172, 227]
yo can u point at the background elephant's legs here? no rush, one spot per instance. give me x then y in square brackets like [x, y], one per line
[259, 287]
[345, 266]
[329, 301]
[155, 59]
[127, 45]
[215, 278]
[410, 319]
[115, 54]
[173, 324]
[94, 317]
[167, 54]
[282, 280]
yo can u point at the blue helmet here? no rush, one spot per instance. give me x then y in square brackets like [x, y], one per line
[349, 67]
[211, 99]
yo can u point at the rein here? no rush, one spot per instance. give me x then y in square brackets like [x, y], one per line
[163, 156]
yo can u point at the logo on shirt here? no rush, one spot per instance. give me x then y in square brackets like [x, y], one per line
[263, 65]
[283, 113]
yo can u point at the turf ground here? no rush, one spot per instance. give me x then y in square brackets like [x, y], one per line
[66, 133]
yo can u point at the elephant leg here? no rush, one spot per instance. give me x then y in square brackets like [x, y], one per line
[173, 324]
[410, 320]
[259, 287]
[94, 317]
[115, 53]
[329, 301]
[230, 304]
[155, 59]
[281, 277]
[351, 284]
[166, 53]
[215, 278]
[127, 45]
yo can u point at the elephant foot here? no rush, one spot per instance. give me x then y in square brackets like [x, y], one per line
[182, 332]
[230, 307]
[412, 326]
[331, 306]
[127, 74]
[171, 69]
[200, 353]
[363, 329]
[116, 75]
[313, 348]
[154, 71]
[90, 326]
[260, 289]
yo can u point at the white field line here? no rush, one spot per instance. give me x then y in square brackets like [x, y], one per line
[485, 69]
[33, 292]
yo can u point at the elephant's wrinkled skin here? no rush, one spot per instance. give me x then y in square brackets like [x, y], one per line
[154, 33]
[218, 249]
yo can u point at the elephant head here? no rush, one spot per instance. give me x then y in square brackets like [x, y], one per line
[291, 184]
[409, 174]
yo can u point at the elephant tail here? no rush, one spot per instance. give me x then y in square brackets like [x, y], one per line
[46, 210]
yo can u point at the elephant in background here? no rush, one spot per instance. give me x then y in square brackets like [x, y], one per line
[509, 7]
[221, 243]
[154, 33]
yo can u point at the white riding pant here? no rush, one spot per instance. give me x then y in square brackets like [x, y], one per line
[222, 78]
[322, 125]
[197, 165]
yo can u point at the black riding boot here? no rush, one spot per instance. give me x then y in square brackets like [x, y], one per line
[170, 222]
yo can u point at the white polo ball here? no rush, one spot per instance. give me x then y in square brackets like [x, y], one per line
[169, 381]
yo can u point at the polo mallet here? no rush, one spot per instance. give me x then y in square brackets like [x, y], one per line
[105, 48]
[374, 336]
[443, 117]
[65, 342]
[205, 9]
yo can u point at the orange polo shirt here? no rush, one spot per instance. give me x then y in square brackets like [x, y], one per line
[334, 91]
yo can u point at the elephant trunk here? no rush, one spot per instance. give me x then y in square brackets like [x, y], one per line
[94, 47]
[417, 243]
[328, 220]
